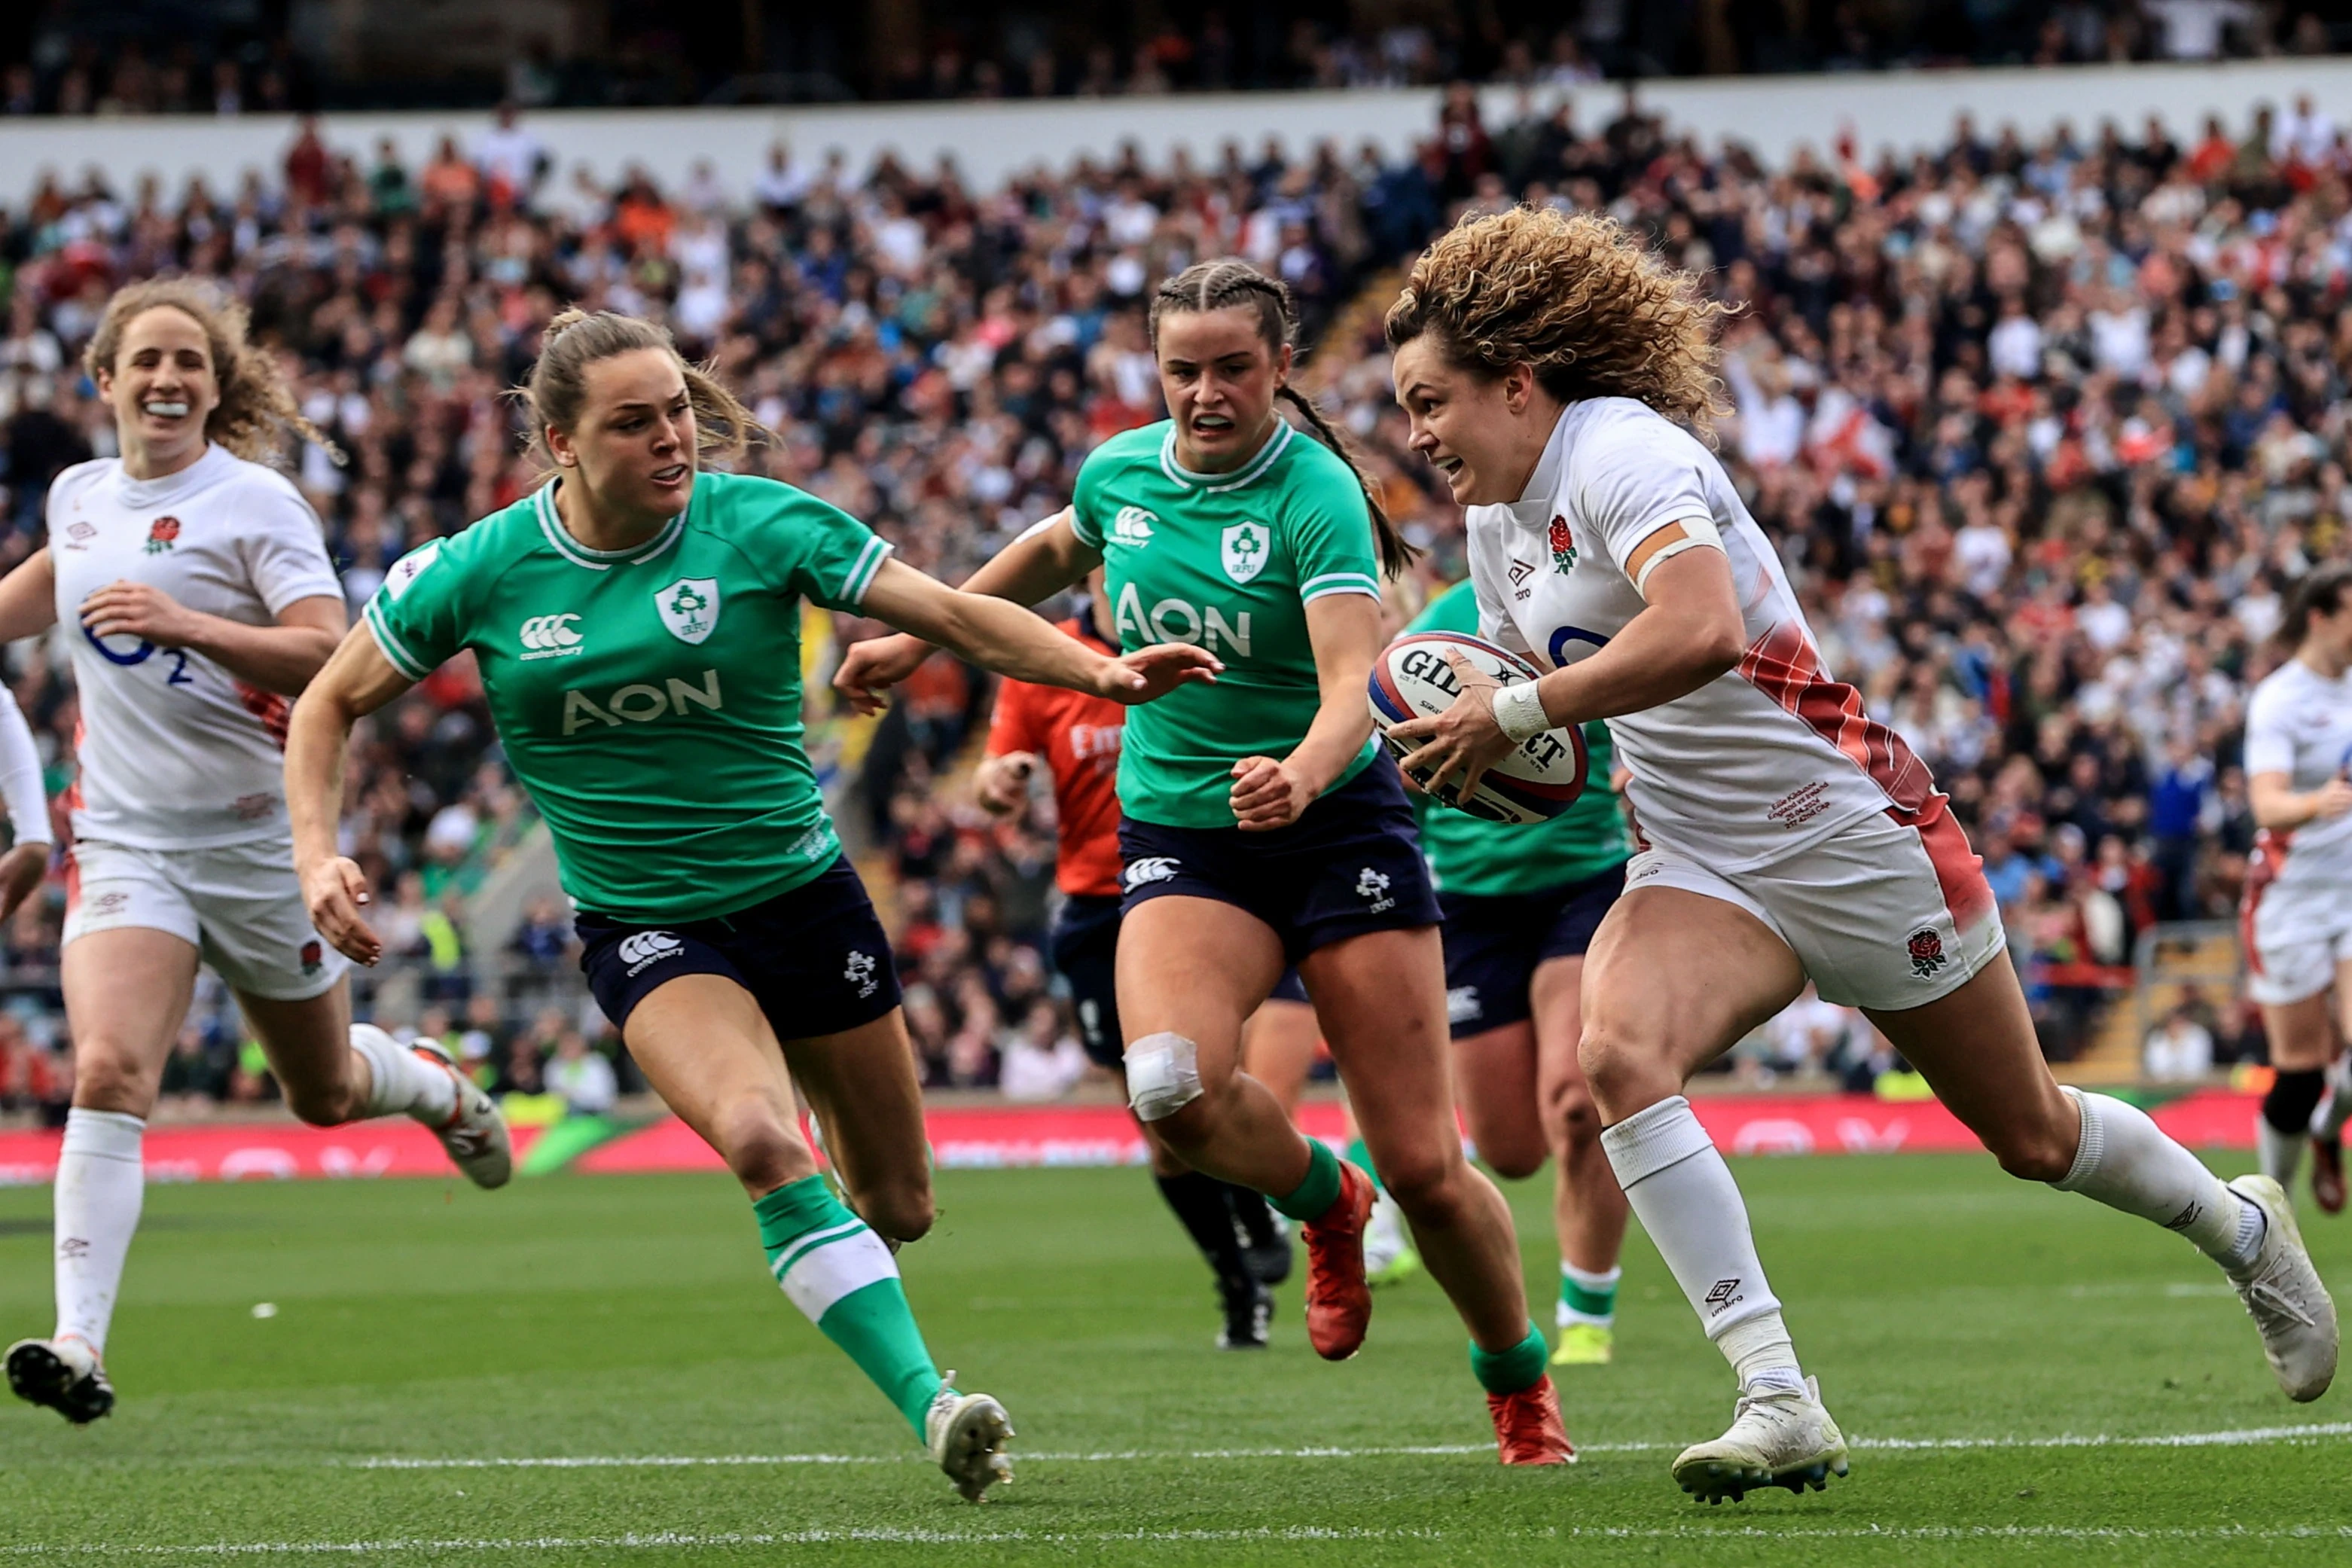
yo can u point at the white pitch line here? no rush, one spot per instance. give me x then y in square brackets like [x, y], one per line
[656, 1541]
[2241, 1437]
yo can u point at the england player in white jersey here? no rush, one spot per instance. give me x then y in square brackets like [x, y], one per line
[1555, 374]
[200, 600]
[2296, 915]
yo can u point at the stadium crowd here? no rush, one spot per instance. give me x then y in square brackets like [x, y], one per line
[171, 63]
[2044, 429]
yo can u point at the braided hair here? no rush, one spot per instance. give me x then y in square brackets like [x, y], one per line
[1231, 283]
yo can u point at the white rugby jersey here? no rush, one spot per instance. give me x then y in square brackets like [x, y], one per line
[174, 752]
[2299, 723]
[1765, 759]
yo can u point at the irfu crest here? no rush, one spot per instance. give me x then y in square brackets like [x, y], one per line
[689, 607]
[1246, 546]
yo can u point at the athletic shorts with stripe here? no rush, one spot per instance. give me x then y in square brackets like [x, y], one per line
[2294, 936]
[239, 905]
[1889, 912]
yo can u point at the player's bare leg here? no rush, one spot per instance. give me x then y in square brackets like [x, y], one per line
[1673, 980]
[1976, 1047]
[707, 1050]
[2301, 1037]
[335, 1071]
[1196, 969]
[1191, 970]
[1278, 1048]
[127, 993]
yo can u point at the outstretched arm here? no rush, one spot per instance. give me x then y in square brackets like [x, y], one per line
[358, 680]
[1045, 559]
[999, 636]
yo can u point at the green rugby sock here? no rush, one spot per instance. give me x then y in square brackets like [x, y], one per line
[839, 1273]
[1310, 1199]
[1361, 1158]
[1511, 1371]
[1587, 1298]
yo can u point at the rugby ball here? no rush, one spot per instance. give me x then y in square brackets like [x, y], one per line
[1412, 679]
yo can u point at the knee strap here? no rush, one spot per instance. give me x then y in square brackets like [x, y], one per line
[1163, 1076]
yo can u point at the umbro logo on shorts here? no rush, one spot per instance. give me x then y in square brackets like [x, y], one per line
[645, 947]
[1152, 869]
[549, 636]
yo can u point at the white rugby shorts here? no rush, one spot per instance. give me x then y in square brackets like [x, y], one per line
[240, 905]
[2294, 937]
[1885, 914]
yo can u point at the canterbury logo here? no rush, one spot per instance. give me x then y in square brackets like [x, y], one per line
[1152, 868]
[1131, 526]
[647, 945]
[549, 636]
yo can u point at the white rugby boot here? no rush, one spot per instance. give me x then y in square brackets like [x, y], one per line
[2284, 1295]
[1778, 1438]
[475, 1134]
[1389, 1255]
[967, 1433]
[64, 1375]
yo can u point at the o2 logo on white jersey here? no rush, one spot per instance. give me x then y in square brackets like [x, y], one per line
[1131, 526]
[549, 636]
[648, 947]
[1152, 869]
[405, 570]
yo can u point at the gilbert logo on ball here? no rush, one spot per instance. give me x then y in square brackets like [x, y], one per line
[1414, 679]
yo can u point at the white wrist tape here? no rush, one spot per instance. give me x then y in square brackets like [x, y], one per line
[1520, 710]
[1697, 532]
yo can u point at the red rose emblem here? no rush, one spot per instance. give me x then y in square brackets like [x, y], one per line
[1926, 949]
[161, 534]
[1563, 544]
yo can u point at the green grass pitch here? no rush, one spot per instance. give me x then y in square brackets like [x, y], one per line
[1955, 1319]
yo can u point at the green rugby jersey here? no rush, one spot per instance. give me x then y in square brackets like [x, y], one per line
[1470, 854]
[1228, 562]
[649, 700]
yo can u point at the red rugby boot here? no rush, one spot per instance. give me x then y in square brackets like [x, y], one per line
[1338, 1302]
[1528, 1427]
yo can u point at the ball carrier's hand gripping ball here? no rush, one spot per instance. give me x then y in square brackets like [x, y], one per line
[1412, 679]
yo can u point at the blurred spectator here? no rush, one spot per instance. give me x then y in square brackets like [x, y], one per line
[1042, 1059]
[585, 1078]
[2179, 1049]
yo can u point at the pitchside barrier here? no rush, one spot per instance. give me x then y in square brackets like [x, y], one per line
[1020, 1136]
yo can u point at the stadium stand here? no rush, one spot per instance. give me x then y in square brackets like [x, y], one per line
[2044, 429]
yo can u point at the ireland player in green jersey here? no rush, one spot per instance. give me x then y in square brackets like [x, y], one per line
[636, 627]
[1261, 827]
[1521, 905]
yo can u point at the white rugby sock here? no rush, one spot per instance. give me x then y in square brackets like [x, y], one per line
[101, 1187]
[2278, 1154]
[1683, 1194]
[2127, 1163]
[401, 1080]
[2328, 1118]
